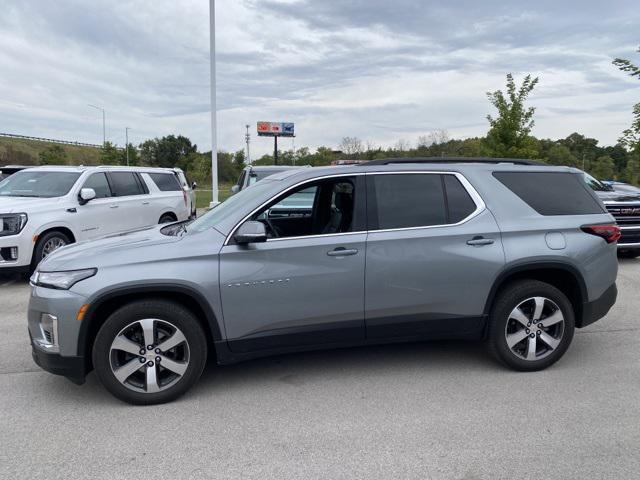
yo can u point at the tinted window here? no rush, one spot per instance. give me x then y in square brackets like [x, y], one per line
[459, 201]
[124, 184]
[409, 200]
[166, 182]
[551, 193]
[43, 184]
[98, 181]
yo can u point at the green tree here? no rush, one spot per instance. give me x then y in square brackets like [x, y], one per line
[561, 155]
[632, 171]
[53, 155]
[169, 152]
[631, 136]
[509, 132]
[110, 155]
[133, 156]
[603, 168]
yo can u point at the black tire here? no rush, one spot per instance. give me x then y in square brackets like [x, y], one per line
[168, 312]
[629, 254]
[166, 218]
[506, 302]
[43, 240]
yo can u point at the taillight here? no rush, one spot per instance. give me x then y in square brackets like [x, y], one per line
[610, 233]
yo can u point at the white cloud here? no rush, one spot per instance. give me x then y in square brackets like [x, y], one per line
[378, 70]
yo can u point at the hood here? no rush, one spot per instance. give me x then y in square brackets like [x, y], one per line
[136, 245]
[25, 204]
[618, 196]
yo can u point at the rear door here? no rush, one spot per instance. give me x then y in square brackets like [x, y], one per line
[131, 200]
[433, 252]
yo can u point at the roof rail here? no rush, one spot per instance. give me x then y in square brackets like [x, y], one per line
[489, 160]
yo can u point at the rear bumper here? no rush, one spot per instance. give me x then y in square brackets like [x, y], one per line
[71, 367]
[595, 310]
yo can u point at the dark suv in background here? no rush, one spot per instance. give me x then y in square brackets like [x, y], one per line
[624, 205]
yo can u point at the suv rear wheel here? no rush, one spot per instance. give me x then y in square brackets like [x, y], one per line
[531, 325]
[149, 352]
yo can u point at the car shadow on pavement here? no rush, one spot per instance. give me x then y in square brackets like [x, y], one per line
[436, 358]
[11, 278]
[430, 360]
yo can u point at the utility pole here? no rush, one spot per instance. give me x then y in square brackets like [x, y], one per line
[275, 149]
[126, 144]
[247, 138]
[104, 130]
[214, 125]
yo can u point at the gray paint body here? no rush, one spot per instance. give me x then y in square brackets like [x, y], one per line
[292, 286]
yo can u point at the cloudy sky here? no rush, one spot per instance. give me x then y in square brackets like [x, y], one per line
[381, 70]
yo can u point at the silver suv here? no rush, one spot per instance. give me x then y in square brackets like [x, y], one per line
[516, 255]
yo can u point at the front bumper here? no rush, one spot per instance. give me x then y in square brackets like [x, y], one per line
[23, 242]
[595, 310]
[74, 368]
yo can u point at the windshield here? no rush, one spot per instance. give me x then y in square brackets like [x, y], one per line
[596, 185]
[228, 207]
[40, 184]
[256, 176]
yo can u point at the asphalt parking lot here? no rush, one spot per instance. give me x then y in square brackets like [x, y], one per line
[424, 411]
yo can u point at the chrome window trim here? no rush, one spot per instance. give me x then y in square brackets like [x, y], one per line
[473, 193]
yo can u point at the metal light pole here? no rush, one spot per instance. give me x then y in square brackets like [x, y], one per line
[214, 125]
[247, 138]
[104, 130]
[126, 144]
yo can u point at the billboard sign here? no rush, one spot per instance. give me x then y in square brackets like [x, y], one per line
[276, 129]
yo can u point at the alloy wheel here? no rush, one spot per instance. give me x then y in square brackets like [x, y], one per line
[52, 245]
[149, 355]
[535, 328]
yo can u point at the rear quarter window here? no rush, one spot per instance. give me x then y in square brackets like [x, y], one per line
[552, 193]
[166, 182]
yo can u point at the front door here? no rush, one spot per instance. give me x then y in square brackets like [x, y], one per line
[305, 285]
[97, 218]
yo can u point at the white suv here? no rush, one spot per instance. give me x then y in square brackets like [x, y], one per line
[45, 208]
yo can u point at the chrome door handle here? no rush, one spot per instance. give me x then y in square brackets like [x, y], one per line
[114, 206]
[145, 203]
[479, 241]
[342, 252]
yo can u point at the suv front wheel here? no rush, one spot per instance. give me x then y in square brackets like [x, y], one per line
[150, 351]
[531, 325]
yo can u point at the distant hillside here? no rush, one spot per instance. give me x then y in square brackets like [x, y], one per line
[19, 151]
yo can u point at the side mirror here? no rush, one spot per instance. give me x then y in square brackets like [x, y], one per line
[235, 189]
[87, 194]
[194, 185]
[250, 232]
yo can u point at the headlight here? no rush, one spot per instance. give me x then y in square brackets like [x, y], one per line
[12, 223]
[61, 280]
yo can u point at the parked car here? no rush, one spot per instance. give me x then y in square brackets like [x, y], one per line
[623, 202]
[45, 208]
[467, 250]
[621, 186]
[254, 173]
[8, 170]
